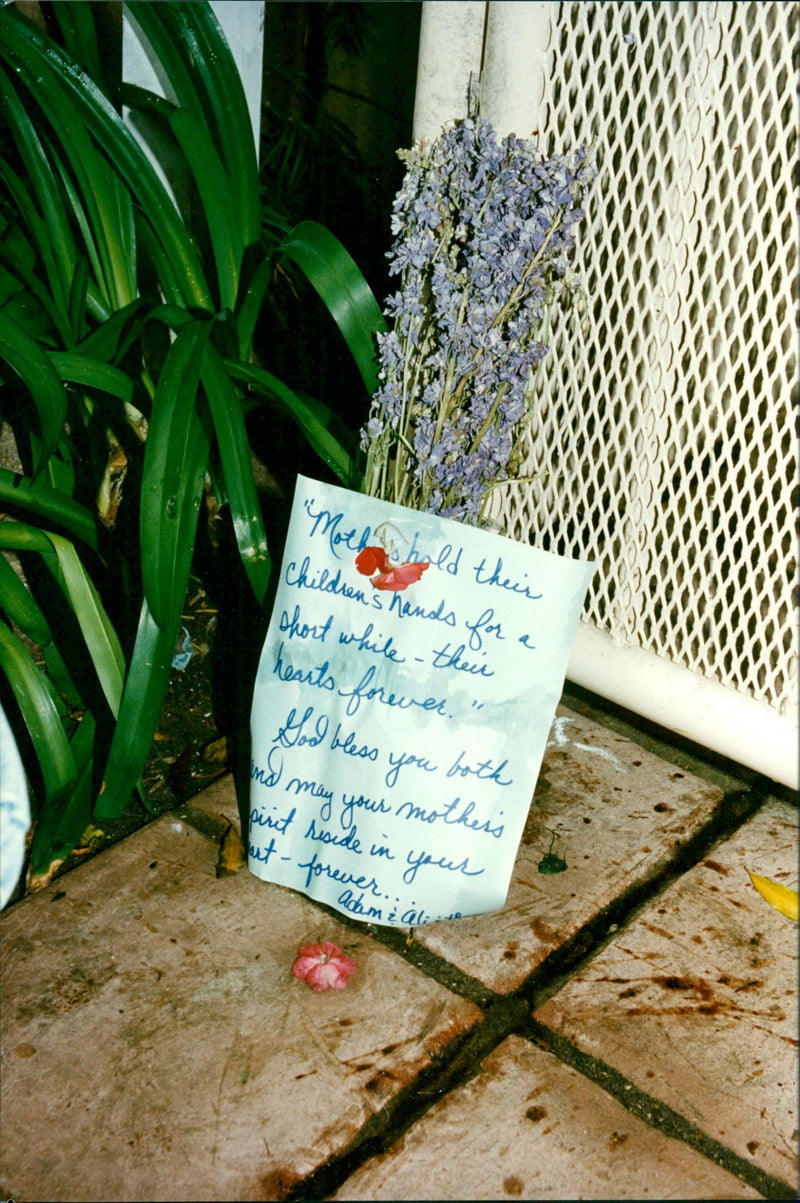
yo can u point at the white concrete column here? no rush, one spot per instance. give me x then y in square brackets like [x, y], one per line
[517, 64]
[450, 47]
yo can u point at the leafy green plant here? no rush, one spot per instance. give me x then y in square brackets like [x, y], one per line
[126, 336]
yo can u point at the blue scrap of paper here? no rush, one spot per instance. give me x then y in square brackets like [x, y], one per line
[15, 814]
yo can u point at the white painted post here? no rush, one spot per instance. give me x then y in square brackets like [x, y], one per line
[506, 44]
[516, 64]
[450, 47]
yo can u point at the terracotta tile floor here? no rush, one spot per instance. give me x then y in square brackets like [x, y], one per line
[625, 1029]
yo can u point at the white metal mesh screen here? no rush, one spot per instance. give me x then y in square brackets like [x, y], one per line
[668, 424]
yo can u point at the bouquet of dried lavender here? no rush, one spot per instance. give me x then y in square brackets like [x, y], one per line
[485, 230]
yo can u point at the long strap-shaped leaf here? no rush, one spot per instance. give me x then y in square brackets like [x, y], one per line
[63, 821]
[101, 638]
[18, 256]
[47, 218]
[52, 76]
[237, 471]
[178, 445]
[217, 71]
[206, 83]
[191, 125]
[251, 298]
[334, 275]
[90, 186]
[22, 495]
[77, 23]
[186, 128]
[103, 212]
[40, 715]
[331, 440]
[107, 342]
[142, 699]
[19, 604]
[30, 362]
[175, 461]
[227, 416]
[83, 369]
[218, 198]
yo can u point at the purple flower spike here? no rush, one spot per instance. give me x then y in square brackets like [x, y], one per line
[485, 233]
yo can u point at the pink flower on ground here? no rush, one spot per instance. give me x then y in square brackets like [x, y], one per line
[324, 966]
[388, 576]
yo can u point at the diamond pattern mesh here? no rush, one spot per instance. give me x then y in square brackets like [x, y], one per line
[666, 413]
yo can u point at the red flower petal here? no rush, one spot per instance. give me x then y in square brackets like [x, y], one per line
[399, 577]
[372, 559]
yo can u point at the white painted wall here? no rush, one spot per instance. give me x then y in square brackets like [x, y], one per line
[242, 22]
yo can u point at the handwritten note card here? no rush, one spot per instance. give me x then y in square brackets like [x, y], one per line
[404, 697]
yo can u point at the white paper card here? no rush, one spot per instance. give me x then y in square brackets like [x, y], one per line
[397, 733]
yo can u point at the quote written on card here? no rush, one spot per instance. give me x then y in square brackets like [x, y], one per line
[401, 712]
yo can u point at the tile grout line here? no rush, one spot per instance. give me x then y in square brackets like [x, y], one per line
[510, 1014]
[457, 1064]
[559, 966]
[656, 1114]
[591, 938]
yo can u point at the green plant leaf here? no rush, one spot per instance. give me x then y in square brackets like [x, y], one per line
[32, 365]
[105, 342]
[249, 306]
[91, 373]
[19, 536]
[218, 199]
[213, 125]
[17, 253]
[105, 228]
[329, 437]
[101, 638]
[336, 278]
[40, 715]
[77, 300]
[220, 80]
[186, 133]
[77, 23]
[54, 79]
[48, 223]
[142, 700]
[175, 461]
[96, 629]
[22, 495]
[20, 606]
[67, 696]
[192, 123]
[63, 821]
[237, 472]
[90, 185]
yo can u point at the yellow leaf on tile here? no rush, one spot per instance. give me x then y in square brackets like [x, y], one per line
[232, 856]
[781, 897]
